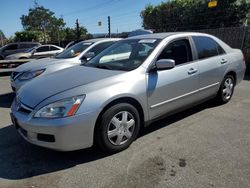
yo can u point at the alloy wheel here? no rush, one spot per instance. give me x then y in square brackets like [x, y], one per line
[121, 128]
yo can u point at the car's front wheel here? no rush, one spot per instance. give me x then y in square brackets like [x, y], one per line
[118, 128]
[226, 90]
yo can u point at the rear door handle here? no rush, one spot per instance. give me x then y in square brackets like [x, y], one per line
[192, 71]
[223, 61]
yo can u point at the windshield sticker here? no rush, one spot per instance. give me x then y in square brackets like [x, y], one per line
[151, 41]
[87, 44]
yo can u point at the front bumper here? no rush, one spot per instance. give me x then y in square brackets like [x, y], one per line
[64, 134]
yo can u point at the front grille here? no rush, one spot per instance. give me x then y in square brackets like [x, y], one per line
[24, 110]
[14, 74]
[22, 107]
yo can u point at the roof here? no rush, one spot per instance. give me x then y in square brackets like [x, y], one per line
[160, 35]
[100, 39]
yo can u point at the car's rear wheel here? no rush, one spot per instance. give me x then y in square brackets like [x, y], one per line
[118, 128]
[226, 90]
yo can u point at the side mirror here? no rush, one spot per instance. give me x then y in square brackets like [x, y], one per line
[165, 64]
[34, 51]
[89, 55]
[83, 60]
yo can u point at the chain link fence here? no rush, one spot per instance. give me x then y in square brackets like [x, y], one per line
[236, 37]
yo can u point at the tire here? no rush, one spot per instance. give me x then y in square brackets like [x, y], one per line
[118, 128]
[23, 58]
[226, 90]
[1, 58]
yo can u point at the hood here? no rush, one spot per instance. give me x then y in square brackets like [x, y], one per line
[40, 63]
[41, 88]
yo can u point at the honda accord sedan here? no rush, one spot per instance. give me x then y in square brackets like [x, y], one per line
[135, 81]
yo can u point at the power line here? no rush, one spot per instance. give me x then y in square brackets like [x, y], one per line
[90, 8]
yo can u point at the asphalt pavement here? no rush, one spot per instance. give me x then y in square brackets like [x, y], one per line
[206, 146]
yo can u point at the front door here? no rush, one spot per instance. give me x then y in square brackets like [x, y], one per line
[171, 89]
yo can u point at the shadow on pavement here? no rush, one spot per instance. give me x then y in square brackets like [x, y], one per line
[5, 72]
[6, 100]
[19, 159]
[176, 117]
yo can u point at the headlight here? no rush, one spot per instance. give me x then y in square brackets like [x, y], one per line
[30, 74]
[63, 108]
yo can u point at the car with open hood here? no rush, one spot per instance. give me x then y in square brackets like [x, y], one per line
[133, 82]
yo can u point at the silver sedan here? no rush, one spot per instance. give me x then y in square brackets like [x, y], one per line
[137, 80]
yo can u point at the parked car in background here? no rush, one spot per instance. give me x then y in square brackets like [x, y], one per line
[17, 47]
[72, 43]
[107, 100]
[75, 55]
[37, 52]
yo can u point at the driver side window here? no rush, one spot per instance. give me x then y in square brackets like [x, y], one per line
[178, 50]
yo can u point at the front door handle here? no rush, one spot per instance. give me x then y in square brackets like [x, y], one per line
[192, 71]
[223, 61]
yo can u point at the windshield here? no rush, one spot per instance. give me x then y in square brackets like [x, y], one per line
[30, 50]
[74, 50]
[124, 55]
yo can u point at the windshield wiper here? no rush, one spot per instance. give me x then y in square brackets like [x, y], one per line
[103, 66]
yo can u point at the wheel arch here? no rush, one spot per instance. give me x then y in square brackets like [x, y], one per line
[128, 100]
[232, 73]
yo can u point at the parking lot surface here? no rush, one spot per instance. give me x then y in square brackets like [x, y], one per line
[206, 146]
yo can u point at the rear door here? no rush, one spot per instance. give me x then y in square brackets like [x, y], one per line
[54, 50]
[172, 89]
[212, 64]
[41, 52]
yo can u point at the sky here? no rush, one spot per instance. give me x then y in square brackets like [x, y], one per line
[125, 14]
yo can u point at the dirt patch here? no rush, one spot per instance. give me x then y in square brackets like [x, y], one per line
[146, 174]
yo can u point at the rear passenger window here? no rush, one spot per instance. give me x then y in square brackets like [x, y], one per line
[179, 50]
[53, 48]
[206, 47]
[42, 49]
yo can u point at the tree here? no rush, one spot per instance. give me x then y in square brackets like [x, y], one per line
[2, 35]
[70, 34]
[29, 36]
[177, 15]
[42, 19]
[2, 38]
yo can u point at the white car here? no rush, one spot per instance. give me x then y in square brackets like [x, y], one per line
[37, 52]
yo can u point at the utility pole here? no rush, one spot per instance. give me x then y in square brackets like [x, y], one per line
[78, 34]
[43, 25]
[1, 37]
[109, 27]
